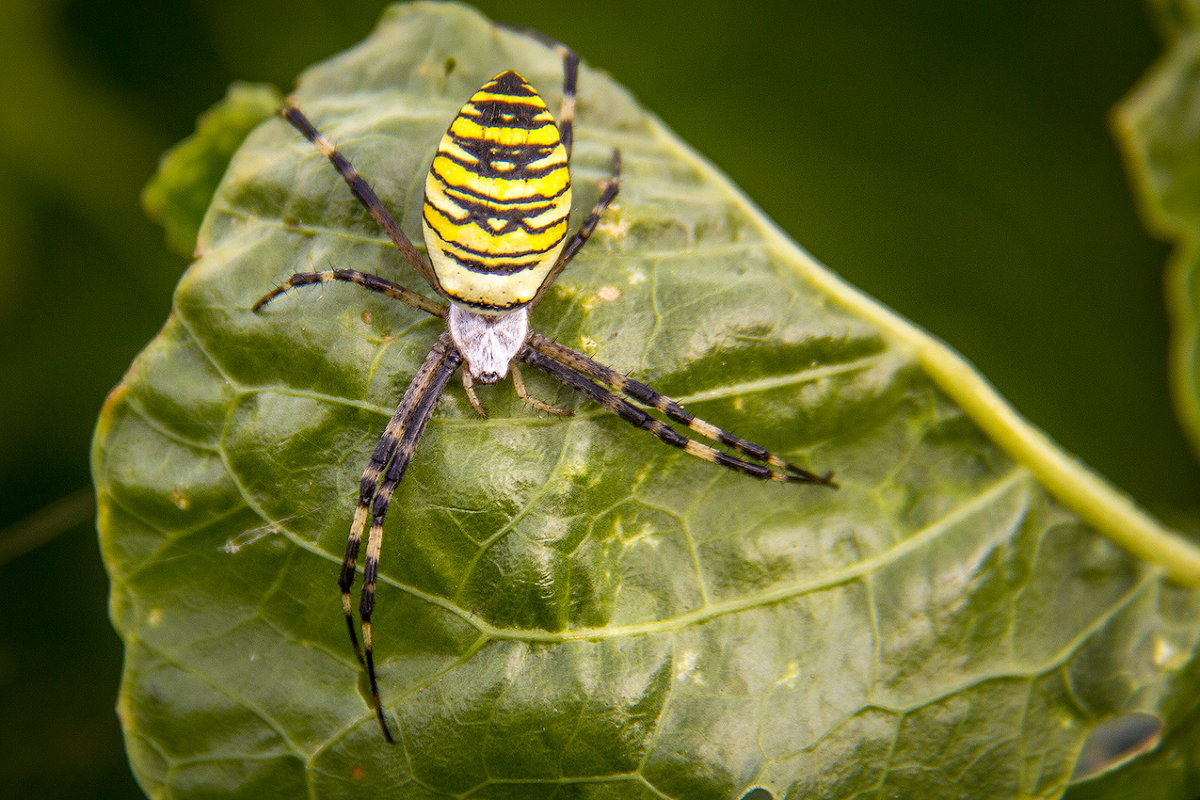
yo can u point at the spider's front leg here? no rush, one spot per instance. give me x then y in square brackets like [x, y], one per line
[610, 389]
[393, 453]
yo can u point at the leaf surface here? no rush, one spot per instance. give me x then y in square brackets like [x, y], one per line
[1156, 128]
[182, 189]
[568, 608]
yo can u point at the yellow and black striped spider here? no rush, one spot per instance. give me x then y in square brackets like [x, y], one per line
[497, 201]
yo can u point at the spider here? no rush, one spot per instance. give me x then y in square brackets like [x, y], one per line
[497, 201]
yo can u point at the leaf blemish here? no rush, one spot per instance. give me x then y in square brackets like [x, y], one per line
[686, 668]
[789, 677]
[1167, 656]
[613, 228]
[246, 538]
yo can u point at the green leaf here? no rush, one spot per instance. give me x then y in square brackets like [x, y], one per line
[568, 608]
[1174, 16]
[181, 190]
[1157, 131]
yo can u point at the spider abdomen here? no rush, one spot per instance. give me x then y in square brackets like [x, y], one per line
[497, 198]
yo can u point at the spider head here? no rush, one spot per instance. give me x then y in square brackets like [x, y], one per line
[488, 341]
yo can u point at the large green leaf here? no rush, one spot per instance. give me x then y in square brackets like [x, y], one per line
[568, 608]
[1162, 144]
[180, 192]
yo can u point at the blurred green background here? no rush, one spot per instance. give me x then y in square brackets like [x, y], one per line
[952, 159]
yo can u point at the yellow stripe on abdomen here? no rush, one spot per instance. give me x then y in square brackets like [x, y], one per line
[497, 198]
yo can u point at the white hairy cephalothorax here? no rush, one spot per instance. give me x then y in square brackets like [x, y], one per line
[488, 343]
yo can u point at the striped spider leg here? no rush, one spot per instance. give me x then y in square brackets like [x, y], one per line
[495, 218]
[583, 374]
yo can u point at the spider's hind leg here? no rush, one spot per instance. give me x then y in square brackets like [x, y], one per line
[566, 114]
[361, 190]
[608, 192]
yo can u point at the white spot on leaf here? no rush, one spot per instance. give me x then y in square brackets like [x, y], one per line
[685, 668]
[1167, 656]
[789, 678]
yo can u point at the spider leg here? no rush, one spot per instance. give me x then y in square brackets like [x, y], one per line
[385, 450]
[364, 279]
[444, 359]
[363, 191]
[608, 192]
[580, 373]
[566, 114]
[519, 385]
[566, 128]
[530, 400]
[469, 388]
